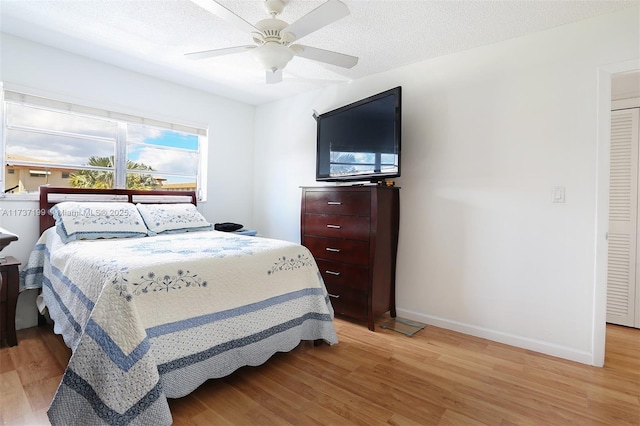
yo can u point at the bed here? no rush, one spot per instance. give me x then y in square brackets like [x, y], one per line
[152, 316]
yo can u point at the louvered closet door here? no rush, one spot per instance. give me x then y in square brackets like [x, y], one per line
[623, 219]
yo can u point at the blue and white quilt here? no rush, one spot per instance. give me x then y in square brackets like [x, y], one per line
[153, 318]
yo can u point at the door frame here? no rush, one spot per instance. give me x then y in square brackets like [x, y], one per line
[603, 146]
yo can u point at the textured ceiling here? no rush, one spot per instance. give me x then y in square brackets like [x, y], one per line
[151, 36]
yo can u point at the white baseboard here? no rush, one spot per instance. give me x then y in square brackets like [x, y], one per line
[540, 346]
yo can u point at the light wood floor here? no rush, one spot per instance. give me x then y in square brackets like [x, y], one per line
[436, 377]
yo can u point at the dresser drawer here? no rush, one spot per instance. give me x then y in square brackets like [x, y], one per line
[324, 225]
[347, 301]
[339, 274]
[338, 202]
[344, 251]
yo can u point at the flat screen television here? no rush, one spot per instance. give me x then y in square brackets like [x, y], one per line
[361, 141]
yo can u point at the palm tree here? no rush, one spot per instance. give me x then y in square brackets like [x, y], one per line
[342, 163]
[140, 180]
[103, 179]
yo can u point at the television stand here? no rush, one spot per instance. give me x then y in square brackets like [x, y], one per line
[352, 232]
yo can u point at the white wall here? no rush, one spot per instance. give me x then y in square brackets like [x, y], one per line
[50, 72]
[487, 134]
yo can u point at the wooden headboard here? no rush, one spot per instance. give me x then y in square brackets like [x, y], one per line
[50, 196]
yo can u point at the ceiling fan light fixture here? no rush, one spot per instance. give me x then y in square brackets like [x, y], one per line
[272, 56]
[273, 37]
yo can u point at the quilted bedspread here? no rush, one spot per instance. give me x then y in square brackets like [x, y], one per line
[153, 318]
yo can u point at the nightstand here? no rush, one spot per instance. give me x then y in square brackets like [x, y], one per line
[8, 298]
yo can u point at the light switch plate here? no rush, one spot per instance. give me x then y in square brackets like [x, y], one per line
[558, 195]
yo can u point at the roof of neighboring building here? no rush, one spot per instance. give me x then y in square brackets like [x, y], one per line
[17, 157]
[179, 185]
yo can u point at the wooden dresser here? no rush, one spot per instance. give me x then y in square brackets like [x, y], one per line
[352, 232]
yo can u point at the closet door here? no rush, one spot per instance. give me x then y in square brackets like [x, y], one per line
[623, 219]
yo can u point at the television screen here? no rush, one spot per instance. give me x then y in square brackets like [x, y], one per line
[360, 141]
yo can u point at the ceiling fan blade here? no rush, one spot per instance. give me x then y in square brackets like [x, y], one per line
[218, 52]
[225, 14]
[274, 76]
[319, 17]
[327, 56]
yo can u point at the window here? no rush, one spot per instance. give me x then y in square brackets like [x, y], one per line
[48, 142]
[343, 162]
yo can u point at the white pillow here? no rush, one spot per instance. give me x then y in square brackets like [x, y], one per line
[94, 220]
[173, 218]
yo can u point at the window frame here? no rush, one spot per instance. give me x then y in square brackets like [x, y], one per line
[120, 152]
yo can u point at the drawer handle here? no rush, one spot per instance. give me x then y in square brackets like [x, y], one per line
[334, 226]
[334, 203]
[332, 273]
[333, 250]
[335, 296]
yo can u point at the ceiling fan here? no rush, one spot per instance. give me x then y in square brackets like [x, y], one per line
[273, 38]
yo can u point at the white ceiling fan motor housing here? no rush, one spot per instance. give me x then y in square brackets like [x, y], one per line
[273, 53]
